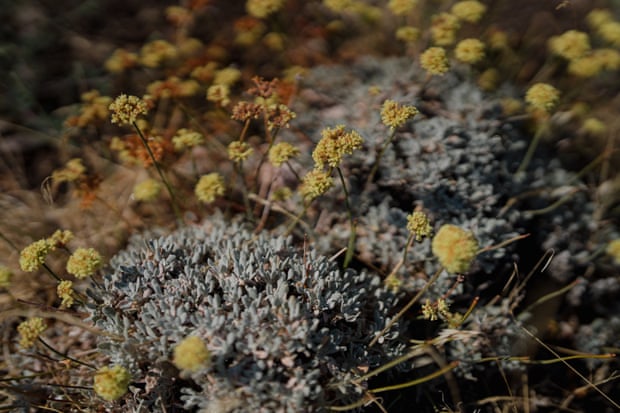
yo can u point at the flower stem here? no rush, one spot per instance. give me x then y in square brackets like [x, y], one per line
[175, 206]
[375, 167]
[531, 149]
[351, 245]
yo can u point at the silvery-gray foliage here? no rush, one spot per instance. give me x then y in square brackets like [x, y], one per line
[287, 329]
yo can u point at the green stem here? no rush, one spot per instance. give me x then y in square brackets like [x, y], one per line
[175, 207]
[531, 149]
[407, 307]
[375, 167]
[351, 245]
[53, 350]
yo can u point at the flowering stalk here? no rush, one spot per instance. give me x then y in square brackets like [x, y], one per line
[175, 207]
[351, 245]
[540, 132]
[375, 167]
[53, 350]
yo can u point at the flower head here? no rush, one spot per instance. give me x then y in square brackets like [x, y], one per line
[613, 250]
[239, 151]
[147, 190]
[33, 256]
[395, 115]
[126, 109]
[263, 8]
[30, 330]
[227, 76]
[5, 276]
[419, 225]
[570, 45]
[334, 144]
[60, 238]
[542, 96]
[315, 184]
[443, 28]
[402, 7]
[610, 32]
[191, 354]
[73, 170]
[219, 94]
[434, 60]
[408, 34]
[455, 248]
[65, 292]
[469, 51]
[84, 262]
[111, 383]
[209, 187]
[469, 10]
[281, 153]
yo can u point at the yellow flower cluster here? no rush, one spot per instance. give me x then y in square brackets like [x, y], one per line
[470, 10]
[334, 144]
[33, 256]
[395, 115]
[157, 52]
[111, 383]
[186, 138]
[120, 60]
[570, 45]
[408, 34]
[84, 262]
[227, 76]
[30, 330]
[126, 109]
[595, 62]
[434, 61]
[263, 8]
[542, 96]
[469, 51]
[65, 293]
[281, 153]
[219, 94]
[315, 184]
[5, 276]
[402, 7]
[172, 87]
[239, 151]
[209, 187]
[419, 225]
[191, 354]
[455, 248]
[147, 190]
[339, 6]
[94, 110]
[613, 250]
[610, 32]
[60, 238]
[443, 28]
[73, 170]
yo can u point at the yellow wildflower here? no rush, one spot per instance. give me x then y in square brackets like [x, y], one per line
[597, 17]
[126, 109]
[443, 28]
[338, 5]
[593, 126]
[263, 8]
[147, 190]
[610, 32]
[408, 34]
[5, 276]
[613, 250]
[281, 153]
[488, 79]
[570, 45]
[65, 292]
[155, 53]
[434, 61]
[191, 354]
[186, 138]
[227, 76]
[120, 61]
[470, 10]
[33, 256]
[334, 144]
[219, 94]
[419, 225]
[111, 383]
[73, 170]
[609, 59]
[60, 238]
[395, 115]
[585, 67]
[315, 184]
[455, 248]
[542, 96]
[209, 187]
[239, 151]
[30, 330]
[469, 51]
[402, 7]
[84, 262]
